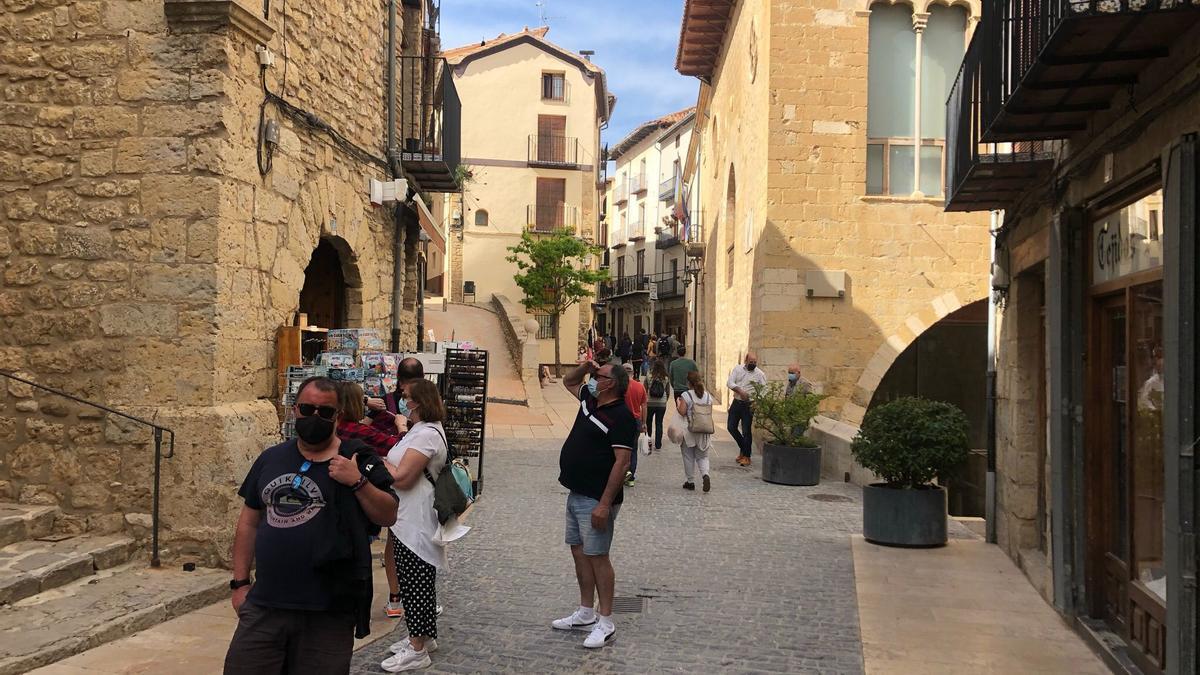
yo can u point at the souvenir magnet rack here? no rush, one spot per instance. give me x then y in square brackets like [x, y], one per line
[464, 389]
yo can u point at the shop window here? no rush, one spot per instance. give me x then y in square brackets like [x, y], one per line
[481, 218]
[896, 163]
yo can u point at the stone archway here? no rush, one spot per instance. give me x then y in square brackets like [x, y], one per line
[328, 279]
[895, 344]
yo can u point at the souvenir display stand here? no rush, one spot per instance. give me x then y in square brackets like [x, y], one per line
[464, 389]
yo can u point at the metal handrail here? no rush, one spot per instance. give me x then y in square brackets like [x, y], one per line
[158, 454]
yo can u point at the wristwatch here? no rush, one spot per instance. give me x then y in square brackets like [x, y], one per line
[235, 584]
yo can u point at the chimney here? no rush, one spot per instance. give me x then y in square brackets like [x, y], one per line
[587, 54]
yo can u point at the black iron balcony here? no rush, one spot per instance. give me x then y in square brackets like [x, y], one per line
[550, 150]
[544, 219]
[430, 123]
[1051, 64]
[666, 189]
[665, 284]
[984, 176]
[669, 285]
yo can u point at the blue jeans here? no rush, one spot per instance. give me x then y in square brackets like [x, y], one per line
[740, 415]
[579, 525]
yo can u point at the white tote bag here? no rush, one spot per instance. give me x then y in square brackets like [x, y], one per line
[644, 444]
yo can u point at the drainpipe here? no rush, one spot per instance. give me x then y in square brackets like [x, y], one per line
[397, 213]
[990, 495]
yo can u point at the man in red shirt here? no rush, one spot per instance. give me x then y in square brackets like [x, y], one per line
[635, 399]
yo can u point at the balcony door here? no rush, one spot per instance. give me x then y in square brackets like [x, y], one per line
[552, 139]
[551, 200]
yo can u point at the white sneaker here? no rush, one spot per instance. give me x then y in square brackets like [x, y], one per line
[397, 647]
[600, 636]
[574, 622]
[439, 611]
[407, 659]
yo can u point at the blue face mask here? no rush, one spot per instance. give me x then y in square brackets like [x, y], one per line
[593, 386]
[402, 407]
[792, 377]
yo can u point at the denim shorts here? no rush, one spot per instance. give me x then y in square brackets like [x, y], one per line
[579, 525]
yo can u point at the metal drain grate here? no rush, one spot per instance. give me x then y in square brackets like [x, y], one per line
[822, 497]
[629, 605]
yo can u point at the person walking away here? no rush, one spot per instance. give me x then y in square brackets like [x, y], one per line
[695, 444]
[664, 351]
[310, 504]
[741, 382]
[635, 399]
[625, 348]
[640, 344]
[679, 369]
[658, 387]
[352, 411]
[651, 355]
[414, 463]
[673, 343]
[592, 465]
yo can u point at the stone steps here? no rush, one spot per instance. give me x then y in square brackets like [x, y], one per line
[99, 608]
[19, 522]
[34, 566]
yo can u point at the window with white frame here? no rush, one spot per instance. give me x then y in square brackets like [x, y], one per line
[911, 65]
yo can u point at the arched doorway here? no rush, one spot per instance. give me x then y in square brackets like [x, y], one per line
[948, 362]
[323, 297]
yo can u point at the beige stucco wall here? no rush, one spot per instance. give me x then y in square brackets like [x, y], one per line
[496, 148]
[148, 264]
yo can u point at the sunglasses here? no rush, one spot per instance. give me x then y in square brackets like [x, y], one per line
[324, 411]
[300, 474]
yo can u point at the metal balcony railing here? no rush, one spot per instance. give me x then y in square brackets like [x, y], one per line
[667, 188]
[430, 123]
[637, 184]
[621, 194]
[635, 230]
[550, 150]
[548, 218]
[669, 285]
[666, 285]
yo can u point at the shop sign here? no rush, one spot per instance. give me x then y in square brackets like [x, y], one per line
[1128, 241]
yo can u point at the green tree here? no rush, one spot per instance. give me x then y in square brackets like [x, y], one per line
[553, 275]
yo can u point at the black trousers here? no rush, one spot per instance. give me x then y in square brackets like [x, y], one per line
[739, 423]
[653, 414]
[271, 641]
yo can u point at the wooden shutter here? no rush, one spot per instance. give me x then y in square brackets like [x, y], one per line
[552, 142]
[551, 195]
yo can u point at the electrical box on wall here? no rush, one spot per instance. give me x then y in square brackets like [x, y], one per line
[387, 191]
[825, 283]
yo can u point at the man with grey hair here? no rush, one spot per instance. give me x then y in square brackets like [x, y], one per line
[592, 466]
[742, 380]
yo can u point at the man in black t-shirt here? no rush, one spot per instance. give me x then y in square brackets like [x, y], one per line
[305, 519]
[592, 466]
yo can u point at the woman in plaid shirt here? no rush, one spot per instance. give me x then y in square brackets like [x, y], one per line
[350, 400]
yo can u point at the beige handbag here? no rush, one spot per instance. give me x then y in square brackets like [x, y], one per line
[700, 419]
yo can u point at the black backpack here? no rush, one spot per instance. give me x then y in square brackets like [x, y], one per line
[664, 347]
[658, 389]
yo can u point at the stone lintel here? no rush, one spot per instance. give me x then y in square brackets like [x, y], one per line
[205, 15]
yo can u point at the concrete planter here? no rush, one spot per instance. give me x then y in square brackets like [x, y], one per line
[788, 465]
[897, 517]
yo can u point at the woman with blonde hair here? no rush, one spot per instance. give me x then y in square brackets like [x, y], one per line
[415, 460]
[695, 446]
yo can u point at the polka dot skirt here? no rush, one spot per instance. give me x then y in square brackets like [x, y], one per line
[417, 590]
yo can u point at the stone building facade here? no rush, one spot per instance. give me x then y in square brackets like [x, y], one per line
[148, 261]
[803, 263]
[1097, 354]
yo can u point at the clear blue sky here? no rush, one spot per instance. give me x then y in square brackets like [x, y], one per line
[634, 41]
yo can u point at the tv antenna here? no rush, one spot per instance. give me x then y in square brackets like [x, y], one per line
[542, 16]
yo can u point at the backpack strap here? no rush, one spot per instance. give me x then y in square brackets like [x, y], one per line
[429, 476]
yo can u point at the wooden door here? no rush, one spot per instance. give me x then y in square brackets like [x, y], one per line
[552, 138]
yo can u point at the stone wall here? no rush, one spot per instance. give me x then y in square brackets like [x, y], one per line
[148, 265]
[522, 347]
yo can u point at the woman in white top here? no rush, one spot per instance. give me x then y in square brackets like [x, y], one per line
[417, 556]
[695, 447]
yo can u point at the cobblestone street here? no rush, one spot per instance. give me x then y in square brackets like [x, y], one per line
[750, 577]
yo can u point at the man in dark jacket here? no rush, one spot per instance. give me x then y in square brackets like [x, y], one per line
[305, 521]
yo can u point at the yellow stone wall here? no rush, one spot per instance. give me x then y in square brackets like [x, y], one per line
[147, 264]
[795, 130]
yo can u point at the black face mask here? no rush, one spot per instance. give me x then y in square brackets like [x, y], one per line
[314, 429]
[751, 366]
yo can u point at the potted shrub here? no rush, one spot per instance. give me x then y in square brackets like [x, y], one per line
[908, 443]
[788, 456]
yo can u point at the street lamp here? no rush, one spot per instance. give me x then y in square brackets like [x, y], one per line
[692, 268]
